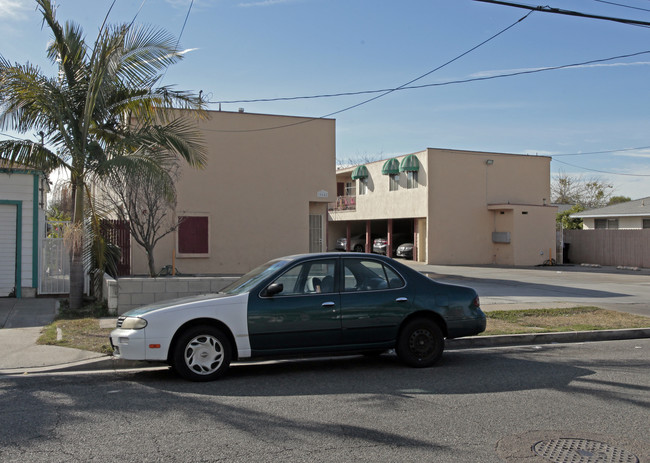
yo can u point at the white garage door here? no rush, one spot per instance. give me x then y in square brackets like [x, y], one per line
[7, 249]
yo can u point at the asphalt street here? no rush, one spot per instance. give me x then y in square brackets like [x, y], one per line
[483, 405]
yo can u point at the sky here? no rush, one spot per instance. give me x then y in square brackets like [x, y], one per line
[593, 118]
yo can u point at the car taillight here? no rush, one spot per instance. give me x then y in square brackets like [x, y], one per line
[476, 302]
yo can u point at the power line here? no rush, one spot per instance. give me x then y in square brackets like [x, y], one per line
[439, 84]
[548, 9]
[602, 171]
[385, 92]
[11, 136]
[601, 152]
[622, 5]
[137, 12]
[179, 36]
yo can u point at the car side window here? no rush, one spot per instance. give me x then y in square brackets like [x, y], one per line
[308, 278]
[394, 278]
[369, 275]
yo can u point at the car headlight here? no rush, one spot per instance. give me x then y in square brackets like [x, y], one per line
[133, 323]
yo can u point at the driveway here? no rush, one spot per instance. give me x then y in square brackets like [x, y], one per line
[558, 286]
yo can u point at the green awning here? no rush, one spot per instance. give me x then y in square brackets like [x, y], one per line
[409, 164]
[391, 167]
[359, 172]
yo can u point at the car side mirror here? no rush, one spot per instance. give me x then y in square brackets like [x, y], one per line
[273, 289]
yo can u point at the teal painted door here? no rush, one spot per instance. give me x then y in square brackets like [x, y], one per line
[305, 315]
[374, 301]
[8, 245]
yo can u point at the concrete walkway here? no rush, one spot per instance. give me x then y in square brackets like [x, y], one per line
[22, 321]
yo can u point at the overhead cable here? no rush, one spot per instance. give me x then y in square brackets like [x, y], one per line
[439, 84]
[602, 171]
[622, 5]
[386, 92]
[548, 9]
[601, 152]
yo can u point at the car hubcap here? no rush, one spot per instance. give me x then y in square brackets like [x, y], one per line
[422, 343]
[204, 354]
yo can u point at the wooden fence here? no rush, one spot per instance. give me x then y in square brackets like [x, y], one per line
[119, 233]
[629, 248]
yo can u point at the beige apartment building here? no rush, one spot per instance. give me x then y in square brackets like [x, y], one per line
[263, 194]
[456, 207]
[270, 188]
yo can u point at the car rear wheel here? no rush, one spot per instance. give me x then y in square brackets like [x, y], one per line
[420, 343]
[202, 353]
[358, 248]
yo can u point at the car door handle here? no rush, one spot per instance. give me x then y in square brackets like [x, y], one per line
[401, 299]
[328, 304]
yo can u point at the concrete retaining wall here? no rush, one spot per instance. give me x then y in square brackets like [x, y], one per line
[127, 293]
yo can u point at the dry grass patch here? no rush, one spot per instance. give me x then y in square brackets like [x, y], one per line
[82, 333]
[553, 320]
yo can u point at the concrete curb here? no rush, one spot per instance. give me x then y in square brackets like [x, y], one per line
[100, 363]
[107, 363]
[547, 338]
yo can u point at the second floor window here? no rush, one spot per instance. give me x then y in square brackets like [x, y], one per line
[349, 189]
[363, 186]
[393, 182]
[411, 179]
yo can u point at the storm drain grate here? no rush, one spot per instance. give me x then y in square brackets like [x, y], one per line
[582, 451]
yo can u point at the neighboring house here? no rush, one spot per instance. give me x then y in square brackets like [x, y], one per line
[617, 235]
[263, 194]
[630, 215]
[22, 222]
[460, 207]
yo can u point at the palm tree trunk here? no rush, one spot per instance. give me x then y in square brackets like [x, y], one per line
[76, 279]
[76, 253]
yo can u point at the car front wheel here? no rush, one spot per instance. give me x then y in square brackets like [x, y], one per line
[202, 353]
[420, 343]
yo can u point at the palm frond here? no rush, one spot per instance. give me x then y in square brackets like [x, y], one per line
[30, 154]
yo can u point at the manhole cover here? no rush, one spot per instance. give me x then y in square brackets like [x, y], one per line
[582, 451]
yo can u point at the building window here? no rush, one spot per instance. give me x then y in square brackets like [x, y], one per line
[193, 236]
[363, 186]
[393, 184]
[411, 179]
[606, 224]
[646, 223]
[349, 189]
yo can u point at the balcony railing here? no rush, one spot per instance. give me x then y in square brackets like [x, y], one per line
[343, 203]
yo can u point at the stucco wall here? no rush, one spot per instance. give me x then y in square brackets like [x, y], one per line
[379, 201]
[262, 174]
[454, 207]
[463, 184]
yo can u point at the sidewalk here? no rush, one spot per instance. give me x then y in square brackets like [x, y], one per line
[21, 322]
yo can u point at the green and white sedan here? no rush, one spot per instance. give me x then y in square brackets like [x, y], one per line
[310, 304]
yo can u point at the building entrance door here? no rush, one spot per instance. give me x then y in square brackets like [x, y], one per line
[315, 233]
[7, 249]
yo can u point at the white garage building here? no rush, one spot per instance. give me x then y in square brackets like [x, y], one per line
[22, 220]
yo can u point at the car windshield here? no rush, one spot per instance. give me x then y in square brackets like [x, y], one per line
[245, 283]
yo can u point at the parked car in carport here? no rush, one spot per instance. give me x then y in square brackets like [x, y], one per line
[380, 244]
[405, 250]
[357, 243]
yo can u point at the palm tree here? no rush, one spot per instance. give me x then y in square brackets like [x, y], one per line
[101, 113]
